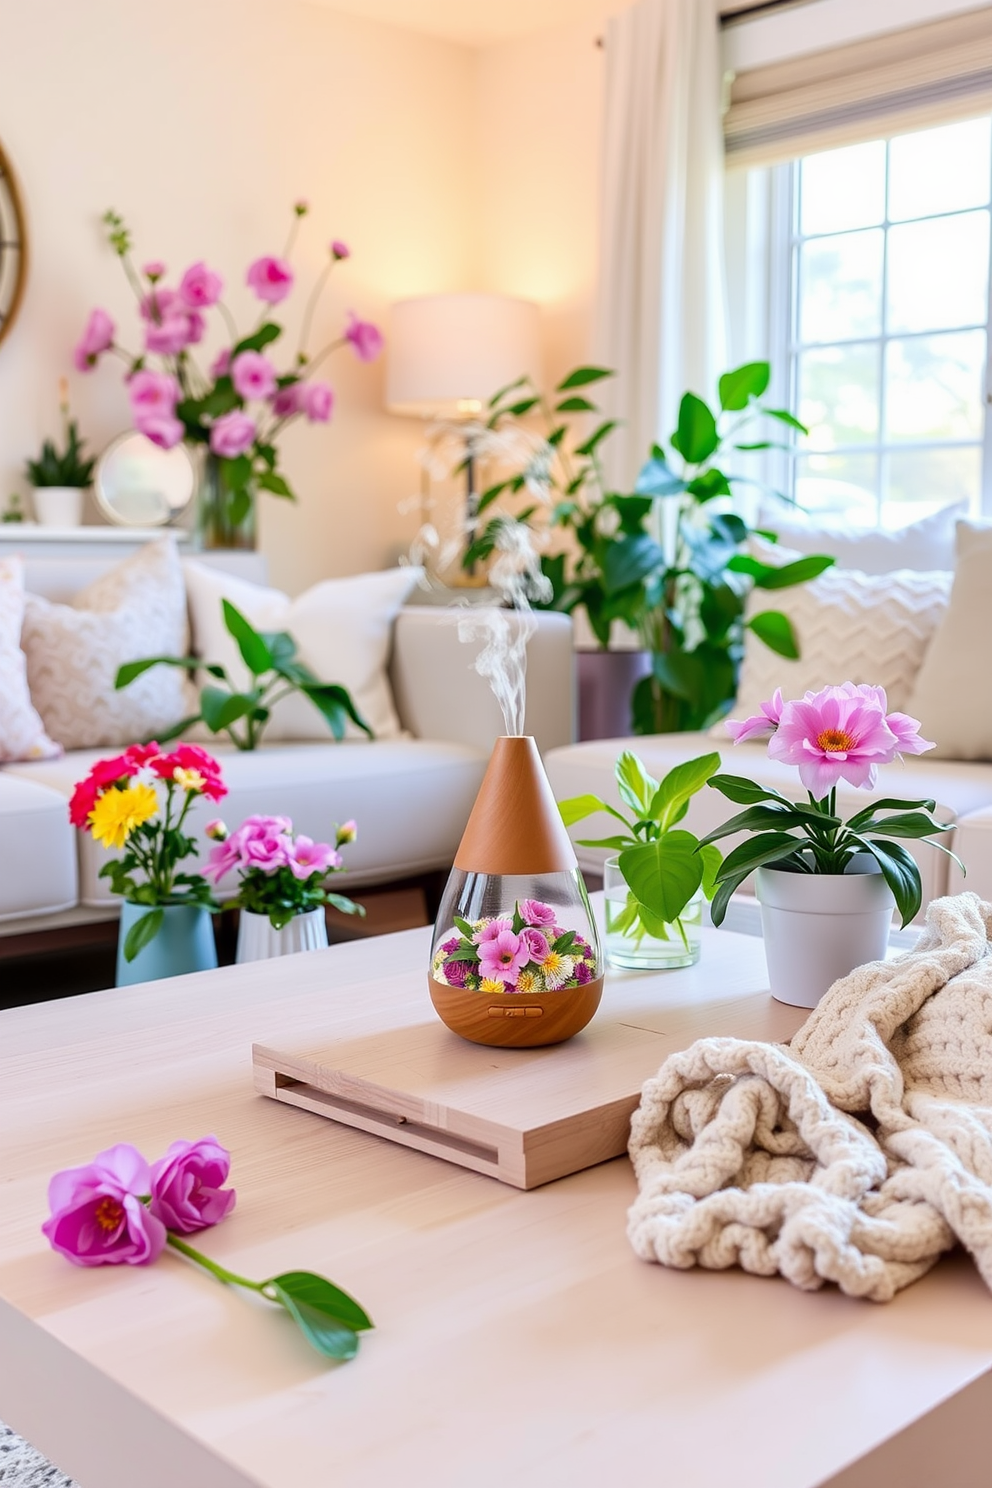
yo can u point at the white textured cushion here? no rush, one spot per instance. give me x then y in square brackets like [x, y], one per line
[851, 627]
[342, 628]
[74, 651]
[37, 851]
[953, 692]
[22, 733]
[926, 545]
[411, 801]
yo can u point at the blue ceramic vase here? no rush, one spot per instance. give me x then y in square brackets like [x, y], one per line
[185, 942]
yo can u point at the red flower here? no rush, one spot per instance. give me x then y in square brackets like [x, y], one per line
[142, 754]
[104, 774]
[192, 757]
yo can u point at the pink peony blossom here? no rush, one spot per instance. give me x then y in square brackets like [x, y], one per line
[187, 1186]
[221, 364]
[200, 287]
[97, 338]
[364, 337]
[537, 947]
[232, 434]
[761, 725]
[97, 1215]
[307, 857]
[152, 392]
[266, 851]
[503, 957]
[835, 734]
[161, 428]
[533, 912]
[271, 279]
[316, 400]
[253, 375]
[340, 250]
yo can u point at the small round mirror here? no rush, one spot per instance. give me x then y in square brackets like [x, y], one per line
[136, 484]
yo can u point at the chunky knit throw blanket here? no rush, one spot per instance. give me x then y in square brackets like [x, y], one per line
[858, 1154]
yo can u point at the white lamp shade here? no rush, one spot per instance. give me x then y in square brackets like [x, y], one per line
[448, 353]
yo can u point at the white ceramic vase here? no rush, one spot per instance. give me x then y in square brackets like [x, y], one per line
[818, 927]
[58, 506]
[258, 940]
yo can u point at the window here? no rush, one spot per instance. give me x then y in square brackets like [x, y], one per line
[884, 266]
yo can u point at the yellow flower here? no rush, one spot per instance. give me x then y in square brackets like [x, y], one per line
[556, 970]
[188, 780]
[527, 982]
[489, 985]
[117, 813]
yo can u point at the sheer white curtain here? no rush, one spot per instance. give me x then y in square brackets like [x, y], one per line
[661, 307]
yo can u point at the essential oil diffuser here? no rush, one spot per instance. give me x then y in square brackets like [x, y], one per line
[515, 959]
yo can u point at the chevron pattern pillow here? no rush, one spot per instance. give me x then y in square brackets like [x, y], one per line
[851, 627]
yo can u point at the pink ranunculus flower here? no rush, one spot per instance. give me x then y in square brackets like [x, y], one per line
[232, 434]
[339, 249]
[835, 734]
[97, 1215]
[221, 364]
[533, 912]
[187, 1186]
[503, 957]
[316, 400]
[537, 946]
[200, 287]
[271, 279]
[161, 428]
[97, 338]
[307, 857]
[364, 337]
[286, 400]
[760, 725]
[253, 375]
[153, 392]
[490, 931]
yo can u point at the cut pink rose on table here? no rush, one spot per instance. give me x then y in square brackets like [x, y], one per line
[98, 1217]
[187, 1186]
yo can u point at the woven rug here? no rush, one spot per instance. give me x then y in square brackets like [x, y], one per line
[22, 1467]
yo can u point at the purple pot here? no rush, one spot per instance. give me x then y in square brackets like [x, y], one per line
[606, 685]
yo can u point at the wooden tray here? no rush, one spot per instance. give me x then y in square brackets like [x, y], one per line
[524, 1116]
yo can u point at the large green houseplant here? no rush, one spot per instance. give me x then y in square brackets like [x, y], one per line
[684, 595]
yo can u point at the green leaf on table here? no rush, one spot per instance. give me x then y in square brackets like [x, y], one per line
[142, 933]
[738, 387]
[697, 432]
[324, 1332]
[665, 874]
[254, 652]
[583, 376]
[776, 630]
[679, 786]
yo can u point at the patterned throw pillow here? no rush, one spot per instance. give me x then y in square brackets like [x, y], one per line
[74, 651]
[22, 733]
[851, 627]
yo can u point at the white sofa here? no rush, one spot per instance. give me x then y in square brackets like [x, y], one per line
[410, 796]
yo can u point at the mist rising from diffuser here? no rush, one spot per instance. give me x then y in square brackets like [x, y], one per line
[516, 576]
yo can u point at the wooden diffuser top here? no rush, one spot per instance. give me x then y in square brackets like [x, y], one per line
[515, 826]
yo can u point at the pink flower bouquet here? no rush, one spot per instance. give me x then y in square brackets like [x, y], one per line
[138, 801]
[238, 406]
[120, 1209]
[282, 873]
[526, 952]
[838, 733]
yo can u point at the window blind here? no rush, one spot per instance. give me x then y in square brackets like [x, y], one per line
[889, 84]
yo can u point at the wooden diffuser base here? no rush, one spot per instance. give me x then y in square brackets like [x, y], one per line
[515, 1020]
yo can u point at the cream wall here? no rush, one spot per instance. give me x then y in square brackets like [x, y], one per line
[201, 121]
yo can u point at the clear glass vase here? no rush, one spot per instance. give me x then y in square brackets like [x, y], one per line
[225, 518]
[629, 944]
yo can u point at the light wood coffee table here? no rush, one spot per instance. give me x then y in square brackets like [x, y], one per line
[519, 1342]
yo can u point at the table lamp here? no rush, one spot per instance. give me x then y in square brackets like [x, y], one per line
[449, 353]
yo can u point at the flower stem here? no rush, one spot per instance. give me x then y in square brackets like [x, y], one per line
[230, 1278]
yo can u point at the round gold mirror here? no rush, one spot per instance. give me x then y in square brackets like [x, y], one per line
[13, 247]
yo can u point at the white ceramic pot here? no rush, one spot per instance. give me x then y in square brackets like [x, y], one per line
[58, 506]
[818, 927]
[258, 940]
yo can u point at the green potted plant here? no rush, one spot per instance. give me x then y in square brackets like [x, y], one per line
[657, 880]
[684, 600]
[60, 479]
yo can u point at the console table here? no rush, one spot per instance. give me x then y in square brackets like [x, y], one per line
[519, 1339]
